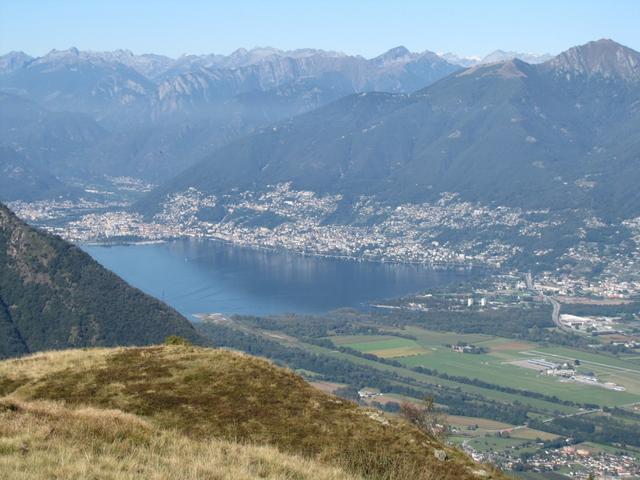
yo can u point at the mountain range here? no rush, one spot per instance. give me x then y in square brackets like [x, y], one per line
[81, 114]
[496, 56]
[553, 143]
[153, 110]
[560, 134]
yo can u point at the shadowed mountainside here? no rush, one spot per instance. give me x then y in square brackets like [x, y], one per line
[53, 295]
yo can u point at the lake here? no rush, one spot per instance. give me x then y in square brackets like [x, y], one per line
[203, 276]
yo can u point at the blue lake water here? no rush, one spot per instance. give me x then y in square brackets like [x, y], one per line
[198, 276]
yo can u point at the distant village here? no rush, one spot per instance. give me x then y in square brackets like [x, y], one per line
[286, 219]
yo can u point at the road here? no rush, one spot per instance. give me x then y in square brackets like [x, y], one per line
[589, 362]
[576, 414]
[555, 315]
[528, 278]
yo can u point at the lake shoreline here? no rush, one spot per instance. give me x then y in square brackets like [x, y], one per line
[428, 265]
[214, 276]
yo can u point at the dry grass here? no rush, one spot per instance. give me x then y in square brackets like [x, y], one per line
[400, 352]
[483, 423]
[530, 434]
[194, 395]
[42, 440]
[42, 364]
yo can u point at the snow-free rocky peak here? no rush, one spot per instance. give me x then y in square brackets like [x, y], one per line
[603, 58]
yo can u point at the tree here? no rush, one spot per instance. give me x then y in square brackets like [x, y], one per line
[425, 416]
[177, 340]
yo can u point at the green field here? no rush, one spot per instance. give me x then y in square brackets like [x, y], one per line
[430, 338]
[382, 346]
[432, 380]
[496, 367]
[488, 443]
[352, 340]
[493, 370]
[483, 424]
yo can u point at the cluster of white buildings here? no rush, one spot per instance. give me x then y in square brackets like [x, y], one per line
[588, 324]
[575, 461]
[581, 463]
[611, 287]
[297, 220]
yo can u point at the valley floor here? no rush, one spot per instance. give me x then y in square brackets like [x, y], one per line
[510, 401]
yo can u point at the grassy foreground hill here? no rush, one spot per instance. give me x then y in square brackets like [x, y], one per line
[53, 295]
[191, 412]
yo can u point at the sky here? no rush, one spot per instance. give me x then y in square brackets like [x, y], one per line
[368, 28]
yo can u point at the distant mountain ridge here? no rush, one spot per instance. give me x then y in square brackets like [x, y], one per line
[502, 56]
[555, 148]
[604, 58]
[449, 133]
[130, 75]
[159, 115]
[496, 56]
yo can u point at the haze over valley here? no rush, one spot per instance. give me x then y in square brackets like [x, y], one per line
[404, 157]
[345, 261]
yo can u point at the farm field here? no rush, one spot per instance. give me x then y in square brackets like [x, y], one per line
[429, 379]
[531, 434]
[483, 426]
[481, 423]
[488, 443]
[496, 367]
[382, 346]
[430, 338]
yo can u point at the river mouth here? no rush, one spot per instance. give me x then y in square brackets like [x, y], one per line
[203, 276]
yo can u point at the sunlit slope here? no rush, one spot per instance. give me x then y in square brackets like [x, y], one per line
[138, 404]
[46, 440]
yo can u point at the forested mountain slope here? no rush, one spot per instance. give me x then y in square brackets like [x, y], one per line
[561, 135]
[53, 296]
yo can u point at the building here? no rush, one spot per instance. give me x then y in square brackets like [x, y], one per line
[541, 362]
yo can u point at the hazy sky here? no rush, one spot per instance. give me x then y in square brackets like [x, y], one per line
[364, 27]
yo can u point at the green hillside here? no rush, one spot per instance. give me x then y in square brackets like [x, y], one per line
[53, 295]
[510, 133]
